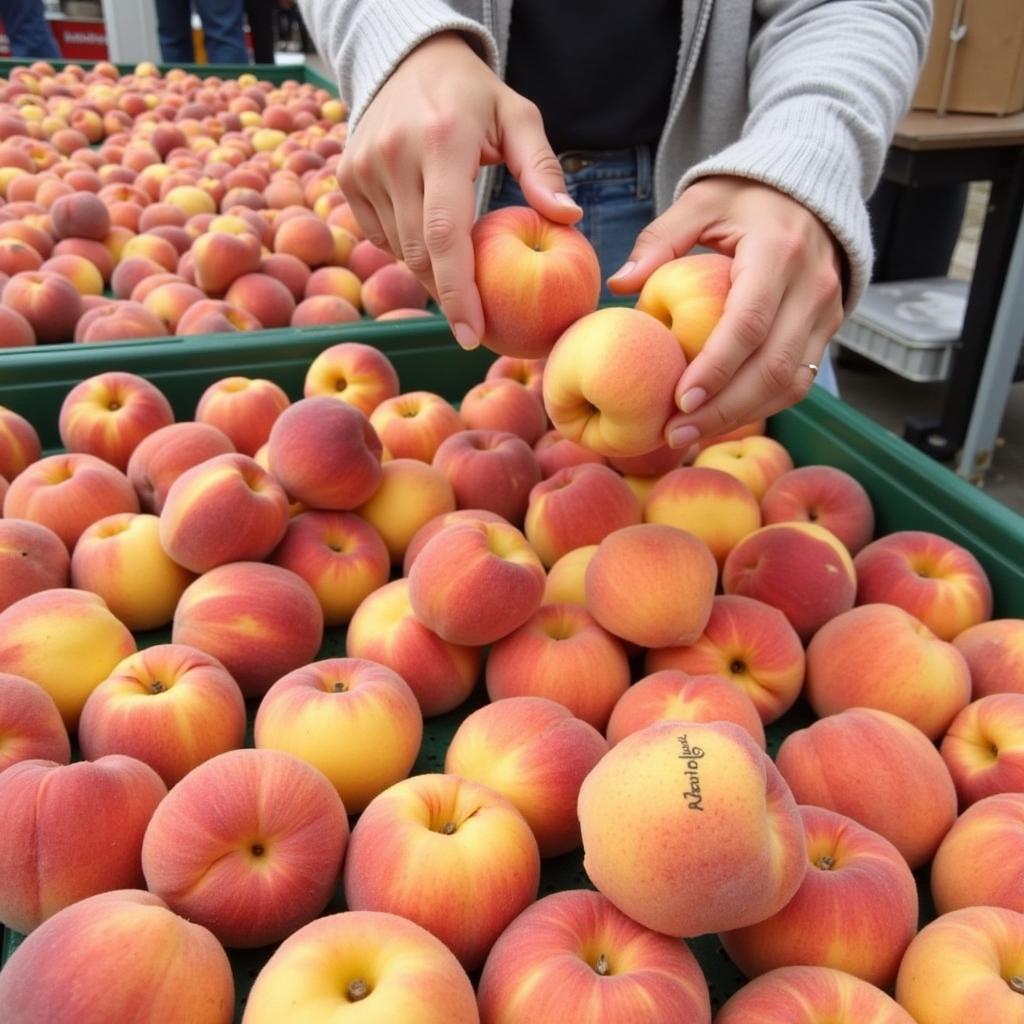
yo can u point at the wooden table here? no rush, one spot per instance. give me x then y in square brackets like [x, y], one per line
[931, 150]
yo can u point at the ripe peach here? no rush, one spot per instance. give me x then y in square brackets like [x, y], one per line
[153, 247]
[566, 582]
[336, 281]
[289, 270]
[213, 317]
[504, 405]
[983, 748]
[30, 724]
[756, 461]
[413, 425]
[244, 409]
[129, 272]
[307, 238]
[80, 215]
[365, 258]
[49, 302]
[354, 373]
[19, 443]
[555, 452]
[78, 270]
[15, 330]
[528, 372]
[169, 302]
[264, 297]
[117, 321]
[392, 287]
[995, 655]
[324, 309]
[219, 258]
[439, 523]
[18, 257]
[32, 558]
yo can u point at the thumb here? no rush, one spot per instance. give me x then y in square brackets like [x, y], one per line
[531, 160]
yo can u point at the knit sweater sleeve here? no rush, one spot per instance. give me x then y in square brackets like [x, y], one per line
[365, 40]
[829, 79]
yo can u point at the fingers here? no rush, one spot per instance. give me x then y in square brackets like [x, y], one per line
[351, 182]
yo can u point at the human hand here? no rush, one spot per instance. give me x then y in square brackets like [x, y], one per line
[784, 305]
[408, 169]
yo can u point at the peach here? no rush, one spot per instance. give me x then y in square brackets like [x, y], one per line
[326, 454]
[99, 809]
[566, 582]
[983, 747]
[979, 863]
[30, 724]
[879, 656]
[32, 558]
[394, 969]
[244, 409]
[190, 199]
[37, 238]
[161, 213]
[437, 524]
[118, 321]
[392, 287]
[365, 258]
[609, 382]
[109, 414]
[995, 655]
[450, 855]
[652, 585]
[504, 405]
[356, 721]
[562, 654]
[260, 621]
[800, 568]
[220, 258]
[578, 506]
[708, 503]
[49, 302]
[811, 995]
[756, 461]
[574, 956]
[528, 372]
[213, 317]
[907, 796]
[324, 309]
[404, 313]
[226, 509]
[169, 302]
[674, 696]
[78, 270]
[153, 247]
[966, 966]
[929, 576]
[307, 238]
[823, 495]
[413, 425]
[474, 583]
[535, 279]
[19, 443]
[249, 844]
[129, 272]
[289, 270]
[18, 257]
[384, 629]
[80, 215]
[555, 452]
[685, 793]
[96, 253]
[489, 469]
[335, 281]
[688, 295]
[264, 297]
[536, 754]
[15, 330]
[354, 373]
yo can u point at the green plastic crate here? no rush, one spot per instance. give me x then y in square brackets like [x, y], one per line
[908, 490]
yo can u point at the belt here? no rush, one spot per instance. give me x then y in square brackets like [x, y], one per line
[574, 160]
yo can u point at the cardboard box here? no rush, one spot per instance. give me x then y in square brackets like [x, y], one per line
[986, 65]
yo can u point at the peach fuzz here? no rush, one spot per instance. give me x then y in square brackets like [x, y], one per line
[326, 454]
[18, 257]
[800, 568]
[19, 443]
[392, 287]
[30, 724]
[219, 258]
[880, 656]
[354, 720]
[555, 452]
[995, 655]
[324, 309]
[95, 253]
[244, 409]
[489, 470]
[79, 271]
[337, 281]
[476, 582]
[129, 272]
[289, 270]
[535, 279]
[562, 654]
[395, 970]
[855, 911]
[439, 523]
[652, 585]
[609, 383]
[578, 506]
[528, 372]
[124, 956]
[32, 558]
[413, 425]
[49, 302]
[755, 461]
[260, 621]
[566, 580]
[980, 863]
[826, 496]
[453, 856]
[226, 509]
[266, 298]
[674, 696]
[384, 629]
[536, 754]
[15, 330]
[249, 844]
[688, 295]
[811, 995]
[504, 405]
[967, 965]
[366, 257]
[109, 414]
[907, 796]
[354, 373]
[708, 503]
[80, 215]
[306, 237]
[670, 795]
[98, 809]
[573, 956]
[984, 747]
[118, 321]
[939, 582]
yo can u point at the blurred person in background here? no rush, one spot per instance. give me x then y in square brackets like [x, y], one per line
[223, 31]
[27, 29]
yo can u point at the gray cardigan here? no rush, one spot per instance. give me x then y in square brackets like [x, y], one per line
[803, 95]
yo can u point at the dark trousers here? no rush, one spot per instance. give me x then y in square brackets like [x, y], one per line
[223, 32]
[27, 29]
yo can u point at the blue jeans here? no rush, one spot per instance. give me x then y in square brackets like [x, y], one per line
[223, 32]
[27, 29]
[615, 191]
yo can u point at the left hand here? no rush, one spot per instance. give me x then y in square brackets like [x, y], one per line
[784, 305]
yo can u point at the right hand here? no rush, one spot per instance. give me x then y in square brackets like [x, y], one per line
[409, 167]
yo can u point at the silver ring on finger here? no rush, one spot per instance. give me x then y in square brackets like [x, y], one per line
[813, 367]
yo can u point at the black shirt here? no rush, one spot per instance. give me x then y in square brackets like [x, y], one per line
[600, 71]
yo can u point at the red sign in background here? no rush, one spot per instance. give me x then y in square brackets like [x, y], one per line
[77, 38]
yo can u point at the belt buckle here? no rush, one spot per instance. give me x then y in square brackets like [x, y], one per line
[573, 162]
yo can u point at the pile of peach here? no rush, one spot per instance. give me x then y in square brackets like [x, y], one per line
[200, 205]
[456, 544]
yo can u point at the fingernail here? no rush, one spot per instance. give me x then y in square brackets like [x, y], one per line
[625, 269]
[564, 199]
[693, 399]
[681, 437]
[465, 336]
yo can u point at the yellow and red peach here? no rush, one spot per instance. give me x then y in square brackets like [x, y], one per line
[413, 425]
[264, 297]
[354, 373]
[324, 309]
[555, 452]
[392, 287]
[566, 582]
[220, 257]
[984, 747]
[153, 247]
[169, 302]
[49, 302]
[335, 281]
[129, 272]
[30, 724]
[756, 461]
[528, 372]
[437, 524]
[306, 237]
[365, 258]
[17, 257]
[19, 443]
[504, 405]
[96, 253]
[15, 330]
[289, 270]
[118, 321]
[80, 215]
[78, 270]
[994, 651]
[32, 558]
[214, 317]
[244, 409]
